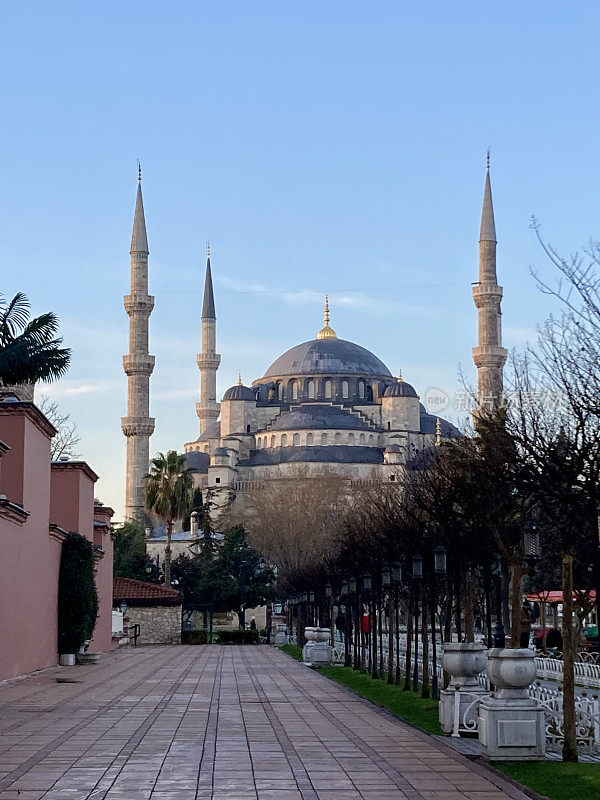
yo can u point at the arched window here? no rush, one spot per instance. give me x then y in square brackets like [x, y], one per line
[283, 440]
[296, 439]
[338, 438]
[345, 390]
[197, 449]
[324, 438]
[389, 426]
[361, 439]
[371, 438]
[328, 392]
[361, 390]
[309, 439]
[350, 438]
[294, 390]
[311, 390]
[280, 391]
[272, 441]
[247, 428]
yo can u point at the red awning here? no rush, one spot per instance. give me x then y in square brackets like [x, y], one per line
[554, 597]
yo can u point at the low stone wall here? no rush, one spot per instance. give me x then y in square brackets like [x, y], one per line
[158, 624]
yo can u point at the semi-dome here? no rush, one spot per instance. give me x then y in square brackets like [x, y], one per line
[400, 389]
[327, 356]
[318, 417]
[239, 392]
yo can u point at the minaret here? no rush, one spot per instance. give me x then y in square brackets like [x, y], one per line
[138, 426]
[208, 360]
[489, 356]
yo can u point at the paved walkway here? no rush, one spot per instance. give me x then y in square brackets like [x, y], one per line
[216, 723]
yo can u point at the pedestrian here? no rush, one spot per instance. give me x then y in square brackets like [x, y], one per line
[253, 624]
[526, 620]
[340, 625]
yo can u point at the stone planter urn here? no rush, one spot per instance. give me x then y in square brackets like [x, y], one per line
[464, 661]
[280, 634]
[317, 652]
[511, 724]
[511, 671]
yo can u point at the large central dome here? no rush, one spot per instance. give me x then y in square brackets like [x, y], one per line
[327, 356]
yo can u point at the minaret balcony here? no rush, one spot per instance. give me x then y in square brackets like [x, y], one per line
[208, 360]
[138, 364]
[489, 355]
[136, 303]
[487, 295]
[137, 426]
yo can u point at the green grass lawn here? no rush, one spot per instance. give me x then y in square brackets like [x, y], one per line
[293, 650]
[552, 779]
[407, 705]
[556, 780]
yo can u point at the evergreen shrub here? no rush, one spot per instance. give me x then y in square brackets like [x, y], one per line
[77, 595]
[237, 637]
[194, 637]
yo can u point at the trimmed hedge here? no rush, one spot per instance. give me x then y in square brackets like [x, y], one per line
[77, 595]
[237, 637]
[194, 637]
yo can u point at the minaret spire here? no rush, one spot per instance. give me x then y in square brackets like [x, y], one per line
[138, 426]
[208, 360]
[489, 356]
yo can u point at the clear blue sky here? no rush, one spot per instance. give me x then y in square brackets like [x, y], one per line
[320, 146]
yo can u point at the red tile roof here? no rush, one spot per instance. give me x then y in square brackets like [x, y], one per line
[135, 592]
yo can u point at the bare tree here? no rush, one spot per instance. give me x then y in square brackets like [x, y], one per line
[296, 523]
[66, 440]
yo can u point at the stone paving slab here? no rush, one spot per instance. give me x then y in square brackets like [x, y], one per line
[217, 723]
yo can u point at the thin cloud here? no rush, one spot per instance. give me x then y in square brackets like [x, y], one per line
[64, 389]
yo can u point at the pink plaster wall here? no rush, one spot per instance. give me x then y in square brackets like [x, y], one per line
[72, 507]
[102, 639]
[60, 494]
[30, 556]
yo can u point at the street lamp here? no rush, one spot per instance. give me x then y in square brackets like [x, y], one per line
[344, 597]
[386, 582]
[417, 575]
[499, 634]
[439, 571]
[397, 581]
[531, 545]
[371, 636]
[352, 589]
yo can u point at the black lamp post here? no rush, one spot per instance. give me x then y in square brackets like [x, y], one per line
[371, 636]
[439, 571]
[353, 590]
[344, 597]
[386, 583]
[499, 634]
[329, 601]
[417, 574]
[396, 582]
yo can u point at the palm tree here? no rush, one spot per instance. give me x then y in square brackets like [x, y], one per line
[30, 351]
[169, 495]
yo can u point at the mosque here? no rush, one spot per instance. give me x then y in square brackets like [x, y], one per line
[325, 407]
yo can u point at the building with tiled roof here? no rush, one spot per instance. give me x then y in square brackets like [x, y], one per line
[156, 609]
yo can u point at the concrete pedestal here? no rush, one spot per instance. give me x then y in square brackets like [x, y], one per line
[512, 730]
[446, 708]
[317, 654]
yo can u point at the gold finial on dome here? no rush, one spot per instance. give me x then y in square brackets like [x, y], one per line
[400, 378]
[208, 250]
[326, 331]
[438, 432]
[240, 379]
